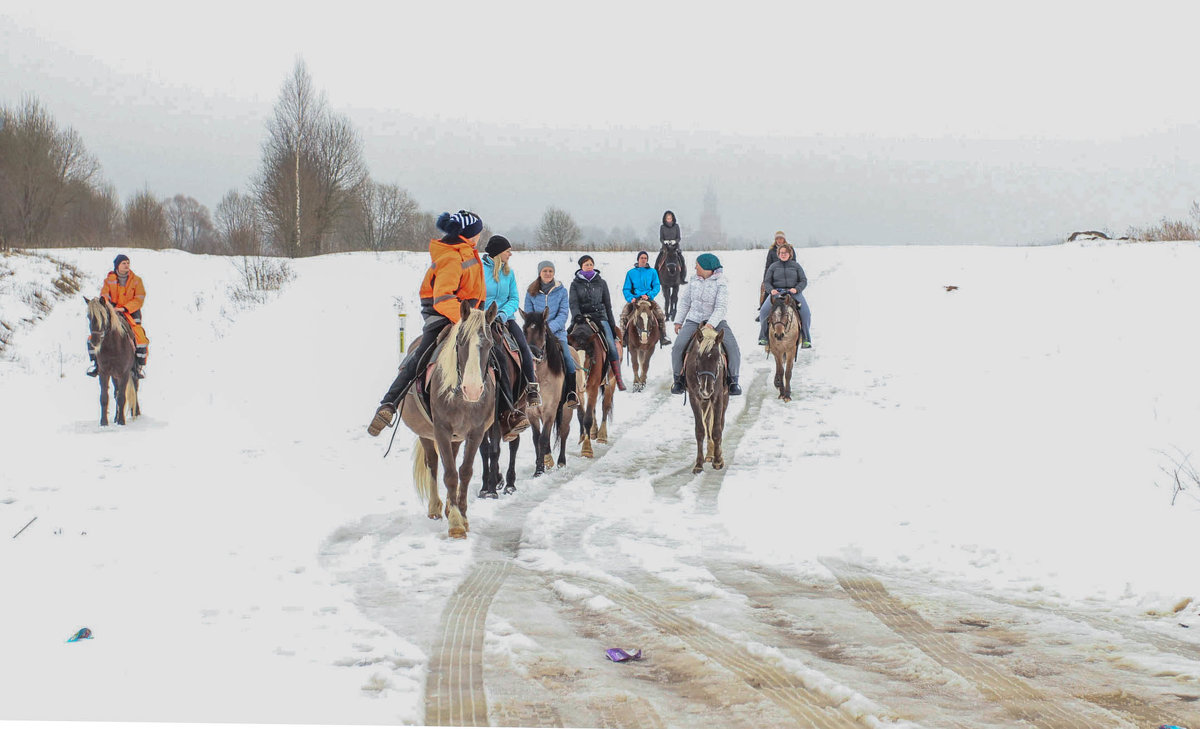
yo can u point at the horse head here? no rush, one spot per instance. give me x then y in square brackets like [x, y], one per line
[643, 320]
[783, 316]
[707, 363]
[670, 263]
[466, 353]
[534, 327]
[102, 319]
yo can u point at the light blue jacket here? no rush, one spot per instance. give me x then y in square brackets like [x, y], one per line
[558, 302]
[503, 292]
[641, 282]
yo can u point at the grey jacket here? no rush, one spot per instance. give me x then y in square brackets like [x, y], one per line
[784, 275]
[704, 300]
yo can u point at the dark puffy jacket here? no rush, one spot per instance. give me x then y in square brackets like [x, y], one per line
[784, 275]
[772, 257]
[591, 299]
[669, 232]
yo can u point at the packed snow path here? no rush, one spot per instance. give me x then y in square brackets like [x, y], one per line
[955, 522]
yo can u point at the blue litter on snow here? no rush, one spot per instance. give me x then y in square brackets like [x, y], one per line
[81, 634]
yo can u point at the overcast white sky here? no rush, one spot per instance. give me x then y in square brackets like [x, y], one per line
[1032, 71]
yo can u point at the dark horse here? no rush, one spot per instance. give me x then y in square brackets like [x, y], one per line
[113, 342]
[704, 371]
[552, 380]
[462, 405]
[783, 339]
[493, 439]
[671, 275]
[598, 382]
[641, 339]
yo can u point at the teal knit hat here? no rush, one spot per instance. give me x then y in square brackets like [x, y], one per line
[708, 262]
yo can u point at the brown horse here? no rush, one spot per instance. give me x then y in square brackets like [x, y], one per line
[113, 342]
[783, 339]
[705, 372]
[492, 444]
[641, 338]
[598, 382]
[552, 379]
[462, 405]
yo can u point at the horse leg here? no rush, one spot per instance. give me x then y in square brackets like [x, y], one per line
[510, 478]
[787, 377]
[535, 428]
[701, 435]
[607, 406]
[779, 372]
[119, 390]
[564, 434]
[489, 452]
[428, 452]
[470, 447]
[717, 434]
[103, 399]
[447, 453]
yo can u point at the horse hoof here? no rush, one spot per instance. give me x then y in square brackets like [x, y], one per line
[698, 469]
[718, 465]
[435, 517]
[458, 532]
[586, 452]
[488, 494]
[510, 489]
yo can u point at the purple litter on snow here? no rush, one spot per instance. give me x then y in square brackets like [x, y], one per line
[619, 656]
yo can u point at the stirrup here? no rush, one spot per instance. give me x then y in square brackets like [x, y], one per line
[516, 423]
[533, 395]
[94, 371]
[572, 400]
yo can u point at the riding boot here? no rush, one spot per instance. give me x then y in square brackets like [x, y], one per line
[533, 396]
[734, 387]
[95, 368]
[616, 372]
[384, 416]
[679, 386]
[140, 359]
[512, 423]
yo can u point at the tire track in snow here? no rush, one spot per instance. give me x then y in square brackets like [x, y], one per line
[1019, 699]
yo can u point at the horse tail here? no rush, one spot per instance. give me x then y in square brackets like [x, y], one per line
[422, 478]
[131, 403]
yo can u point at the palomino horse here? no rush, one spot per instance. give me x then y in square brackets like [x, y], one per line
[492, 444]
[783, 339]
[113, 342]
[641, 338]
[671, 276]
[598, 382]
[462, 405]
[705, 372]
[552, 379]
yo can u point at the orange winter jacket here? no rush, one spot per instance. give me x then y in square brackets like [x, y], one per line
[456, 275]
[131, 296]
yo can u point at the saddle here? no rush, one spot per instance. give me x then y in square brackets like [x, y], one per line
[595, 333]
[503, 337]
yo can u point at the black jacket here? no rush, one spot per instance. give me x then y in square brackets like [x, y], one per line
[669, 232]
[591, 299]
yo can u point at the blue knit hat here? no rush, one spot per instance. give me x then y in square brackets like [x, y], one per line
[118, 259]
[708, 262]
[462, 223]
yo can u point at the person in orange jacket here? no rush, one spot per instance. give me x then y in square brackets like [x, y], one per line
[125, 291]
[455, 276]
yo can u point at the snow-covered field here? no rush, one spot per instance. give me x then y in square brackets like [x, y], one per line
[242, 553]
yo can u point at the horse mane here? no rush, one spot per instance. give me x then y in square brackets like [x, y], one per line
[555, 359]
[103, 313]
[447, 356]
[708, 337]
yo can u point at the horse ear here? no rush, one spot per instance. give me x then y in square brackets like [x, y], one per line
[464, 310]
[86, 300]
[522, 313]
[491, 313]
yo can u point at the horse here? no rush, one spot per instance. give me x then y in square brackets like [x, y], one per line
[783, 340]
[493, 441]
[113, 342]
[705, 372]
[641, 339]
[462, 406]
[598, 382]
[671, 276]
[552, 381]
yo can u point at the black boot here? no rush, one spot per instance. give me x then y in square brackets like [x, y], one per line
[734, 387]
[95, 368]
[679, 386]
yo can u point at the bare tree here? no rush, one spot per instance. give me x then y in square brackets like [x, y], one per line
[558, 230]
[146, 222]
[312, 168]
[42, 170]
[190, 225]
[239, 225]
[384, 214]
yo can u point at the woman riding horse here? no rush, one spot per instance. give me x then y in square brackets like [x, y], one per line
[547, 294]
[706, 301]
[642, 284]
[590, 300]
[785, 276]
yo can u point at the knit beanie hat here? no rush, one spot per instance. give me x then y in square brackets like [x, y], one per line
[585, 257]
[779, 234]
[496, 245]
[118, 259]
[643, 253]
[545, 264]
[462, 223]
[708, 262]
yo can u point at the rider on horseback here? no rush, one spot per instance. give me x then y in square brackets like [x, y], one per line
[590, 300]
[701, 305]
[785, 276]
[124, 290]
[547, 294]
[455, 277]
[502, 288]
[668, 238]
[642, 284]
